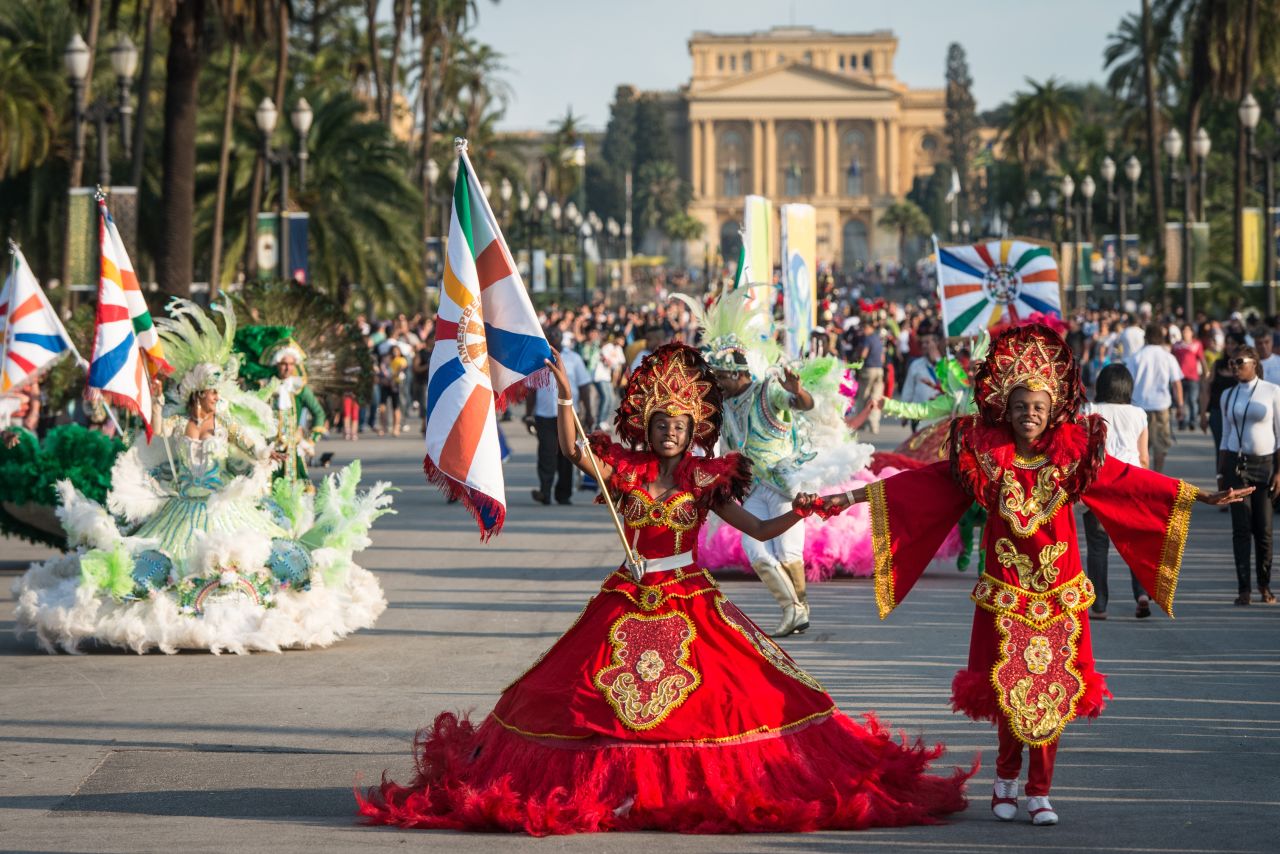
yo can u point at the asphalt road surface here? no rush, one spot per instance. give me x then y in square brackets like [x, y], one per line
[111, 751]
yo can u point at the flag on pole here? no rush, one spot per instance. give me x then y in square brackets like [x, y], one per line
[755, 265]
[488, 343]
[954, 190]
[799, 276]
[990, 284]
[126, 348]
[117, 267]
[32, 333]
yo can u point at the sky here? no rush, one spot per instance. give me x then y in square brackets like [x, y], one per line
[562, 53]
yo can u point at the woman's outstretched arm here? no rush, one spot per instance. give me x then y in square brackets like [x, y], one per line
[764, 529]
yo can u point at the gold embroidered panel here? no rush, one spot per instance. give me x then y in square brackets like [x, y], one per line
[679, 513]
[1035, 677]
[1035, 609]
[649, 675]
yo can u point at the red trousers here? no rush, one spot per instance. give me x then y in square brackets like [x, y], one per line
[1009, 761]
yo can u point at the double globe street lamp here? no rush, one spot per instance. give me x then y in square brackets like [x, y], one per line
[1250, 113]
[1200, 145]
[102, 112]
[266, 116]
[1116, 195]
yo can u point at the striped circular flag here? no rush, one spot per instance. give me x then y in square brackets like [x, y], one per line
[990, 284]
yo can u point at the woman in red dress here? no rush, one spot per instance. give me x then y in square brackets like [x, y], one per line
[664, 707]
[1026, 457]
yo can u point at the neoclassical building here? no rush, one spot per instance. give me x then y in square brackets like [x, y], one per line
[805, 115]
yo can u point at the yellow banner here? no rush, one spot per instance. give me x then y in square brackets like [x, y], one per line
[757, 244]
[1251, 233]
[799, 276]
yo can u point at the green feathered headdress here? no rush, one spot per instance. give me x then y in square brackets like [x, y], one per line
[256, 344]
[735, 336]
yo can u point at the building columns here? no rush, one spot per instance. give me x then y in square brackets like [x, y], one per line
[834, 187]
[894, 156]
[695, 162]
[757, 156]
[770, 158]
[882, 185]
[709, 140]
[818, 178]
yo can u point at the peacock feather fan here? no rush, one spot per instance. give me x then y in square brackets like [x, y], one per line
[338, 360]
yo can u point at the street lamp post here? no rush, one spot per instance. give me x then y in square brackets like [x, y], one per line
[1068, 193]
[301, 117]
[557, 214]
[1250, 113]
[102, 112]
[1132, 171]
[1087, 189]
[585, 230]
[1033, 207]
[1108, 173]
[1173, 148]
[432, 170]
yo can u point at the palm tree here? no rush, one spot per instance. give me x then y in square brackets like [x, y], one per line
[908, 220]
[361, 240]
[1039, 123]
[659, 193]
[29, 117]
[177, 195]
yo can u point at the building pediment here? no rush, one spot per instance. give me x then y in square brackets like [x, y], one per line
[793, 81]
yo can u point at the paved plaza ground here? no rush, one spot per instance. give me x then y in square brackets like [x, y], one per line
[110, 751]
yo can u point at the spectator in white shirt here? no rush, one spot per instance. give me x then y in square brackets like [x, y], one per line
[1268, 360]
[1157, 388]
[1127, 442]
[1249, 456]
[921, 382]
[555, 470]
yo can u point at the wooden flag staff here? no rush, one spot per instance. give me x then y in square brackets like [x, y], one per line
[635, 563]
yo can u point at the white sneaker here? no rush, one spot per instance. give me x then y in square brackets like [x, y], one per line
[1004, 799]
[1041, 811]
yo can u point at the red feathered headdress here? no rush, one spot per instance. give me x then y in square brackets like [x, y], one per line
[1033, 356]
[675, 380]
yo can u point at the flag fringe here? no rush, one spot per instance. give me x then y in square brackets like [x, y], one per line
[475, 501]
[518, 392]
[128, 404]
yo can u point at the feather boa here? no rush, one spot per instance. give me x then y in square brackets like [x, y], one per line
[1081, 441]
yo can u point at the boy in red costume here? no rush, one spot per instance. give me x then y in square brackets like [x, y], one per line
[1026, 457]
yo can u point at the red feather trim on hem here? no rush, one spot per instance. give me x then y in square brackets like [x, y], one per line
[477, 503]
[830, 774]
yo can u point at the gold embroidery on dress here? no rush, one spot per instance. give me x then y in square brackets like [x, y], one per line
[1038, 655]
[650, 665]
[881, 547]
[1039, 717]
[766, 647]
[1035, 609]
[1032, 578]
[679, 513]
[644, 704]
[702, 479]
[1175, 538]
[1029, 462]
[1046, 498]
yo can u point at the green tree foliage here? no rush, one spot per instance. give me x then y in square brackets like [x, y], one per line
[1040, 123]
[960, 117]
[907, 220]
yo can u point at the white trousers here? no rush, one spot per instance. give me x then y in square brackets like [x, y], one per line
[766, 503]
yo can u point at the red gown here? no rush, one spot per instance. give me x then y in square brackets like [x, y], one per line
[1030, 655]
[663, 707]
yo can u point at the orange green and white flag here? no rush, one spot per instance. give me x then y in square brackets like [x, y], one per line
[117, 267]
[488, 345]
[126, 348]
[986, 285]
[32, 336]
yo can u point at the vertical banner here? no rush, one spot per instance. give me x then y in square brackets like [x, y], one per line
[1200, 254]
[299, 260]
[757, 250]
[268, 248]
[1173, 252]
[1110, 262]
[799, 276]
[1077, 267]
[538, 274]
[1274, 219]
[1251, 236]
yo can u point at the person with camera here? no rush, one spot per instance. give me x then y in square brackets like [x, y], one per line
[1249, 456]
